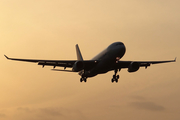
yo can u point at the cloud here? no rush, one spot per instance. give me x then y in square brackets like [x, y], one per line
[2, 115]
[136, 97]
[50, 113]
[147, 106]
[141, 102]
[25, 109]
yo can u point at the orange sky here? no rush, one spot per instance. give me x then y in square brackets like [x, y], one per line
[46, 29]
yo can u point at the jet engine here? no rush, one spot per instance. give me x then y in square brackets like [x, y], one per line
[78, 66]
[133, 67]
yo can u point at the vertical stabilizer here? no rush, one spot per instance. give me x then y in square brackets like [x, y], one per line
[78, 52]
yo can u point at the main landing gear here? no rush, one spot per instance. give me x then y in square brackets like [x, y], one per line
[83, 79]
[115, 77]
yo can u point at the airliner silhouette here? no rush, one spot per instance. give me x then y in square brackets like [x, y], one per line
[107, 60]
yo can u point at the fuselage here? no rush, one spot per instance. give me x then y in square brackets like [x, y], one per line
[106, 59]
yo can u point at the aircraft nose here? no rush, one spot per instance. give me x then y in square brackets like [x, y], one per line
[121, 46]
[124, 48]
[121, 50]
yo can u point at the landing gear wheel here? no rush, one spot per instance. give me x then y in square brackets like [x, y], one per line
[85, 80]
[117, 76]
[81, 79]
[112, 80]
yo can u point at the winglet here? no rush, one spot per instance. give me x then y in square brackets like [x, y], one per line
[6, 56]
[175, 59]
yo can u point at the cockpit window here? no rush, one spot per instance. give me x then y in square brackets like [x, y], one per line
[119, 44]
[115, 44]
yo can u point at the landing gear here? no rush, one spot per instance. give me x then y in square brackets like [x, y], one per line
[115, 77]
[83, 79]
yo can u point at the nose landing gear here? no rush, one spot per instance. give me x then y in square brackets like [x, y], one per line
[115, 77]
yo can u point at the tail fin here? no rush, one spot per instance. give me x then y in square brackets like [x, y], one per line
[78, 52]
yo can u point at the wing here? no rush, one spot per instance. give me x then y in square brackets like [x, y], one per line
[60, 63]
[125, 64]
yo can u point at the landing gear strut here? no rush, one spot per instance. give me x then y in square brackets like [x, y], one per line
[115, 77]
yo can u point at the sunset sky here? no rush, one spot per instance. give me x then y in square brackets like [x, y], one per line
[49, 29]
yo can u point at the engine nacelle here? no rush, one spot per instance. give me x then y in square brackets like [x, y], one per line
[78, 66]
[133, 67]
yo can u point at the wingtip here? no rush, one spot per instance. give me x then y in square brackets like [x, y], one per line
[6, 56]
[175, 59]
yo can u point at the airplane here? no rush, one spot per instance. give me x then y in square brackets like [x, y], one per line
[107, 60]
